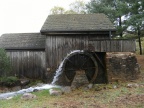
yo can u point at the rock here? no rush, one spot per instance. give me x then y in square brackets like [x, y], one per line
[114, 86]
[142, 85]
[9, 98]
[122, 67]
[136, 85]
[90, 86]
[129, 85]
[28, 96]
[54, 92]
[40, 84]
[16, 88]
[66, 89]
[132, 85]
[24, 82]
[73, 87]
[79, 80]
[35, 90]
[25, 87]
[85, 88]
[98, 89]
[4, 90]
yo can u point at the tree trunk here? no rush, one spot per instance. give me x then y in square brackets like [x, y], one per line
[139, 39]
[120, 24]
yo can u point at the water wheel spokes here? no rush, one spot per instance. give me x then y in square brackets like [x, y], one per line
[68, 60]
[80, 61]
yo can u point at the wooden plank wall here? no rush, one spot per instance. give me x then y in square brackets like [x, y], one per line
[29, 64]
[112, 45]
[57, 47]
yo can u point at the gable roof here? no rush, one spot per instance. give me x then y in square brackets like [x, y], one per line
[77, 23]
[22, 41]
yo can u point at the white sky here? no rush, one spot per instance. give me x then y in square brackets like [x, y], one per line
[24, 16]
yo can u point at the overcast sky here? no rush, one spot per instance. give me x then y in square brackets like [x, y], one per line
[20, 16]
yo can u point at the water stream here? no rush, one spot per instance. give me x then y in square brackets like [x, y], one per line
[58, 73]
[44, 86]
[28, 90]
[59, 70]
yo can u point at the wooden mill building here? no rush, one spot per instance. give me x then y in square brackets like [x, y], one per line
[38, 55]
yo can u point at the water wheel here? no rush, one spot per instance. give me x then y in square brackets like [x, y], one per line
[80, 61]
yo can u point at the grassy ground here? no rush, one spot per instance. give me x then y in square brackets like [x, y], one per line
[101, 96]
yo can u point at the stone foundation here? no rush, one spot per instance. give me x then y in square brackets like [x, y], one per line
[80, 79]
[121, 66]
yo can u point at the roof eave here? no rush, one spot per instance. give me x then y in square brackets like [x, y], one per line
[49, 32]
[23, 48]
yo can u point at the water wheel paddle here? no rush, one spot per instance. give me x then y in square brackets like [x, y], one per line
[80, 61]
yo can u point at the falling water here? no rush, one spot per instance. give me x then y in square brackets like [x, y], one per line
[45, 86]
[58, 73]
[60, 68]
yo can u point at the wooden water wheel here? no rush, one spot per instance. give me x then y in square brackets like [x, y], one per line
[80, 61]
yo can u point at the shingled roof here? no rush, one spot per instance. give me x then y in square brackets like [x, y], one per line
[77, 23]
[22, 41]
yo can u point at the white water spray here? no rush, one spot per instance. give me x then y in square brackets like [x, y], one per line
[59, 70]
[58, 73]
[45, 86]
[28, 90]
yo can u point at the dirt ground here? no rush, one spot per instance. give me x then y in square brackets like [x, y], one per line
[140, 59]
[121, 97]
[116, 95]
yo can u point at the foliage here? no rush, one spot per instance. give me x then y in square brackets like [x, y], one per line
[5, 65]
[9, 81]
[70, 12]
[34, 82]
[126, 14]
[136, 16]
[57, 10]
[116, 10]
[136, 19]
[77, 7]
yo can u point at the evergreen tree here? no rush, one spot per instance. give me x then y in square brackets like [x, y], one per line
[124, 13]
[136, 19]
[114, 9]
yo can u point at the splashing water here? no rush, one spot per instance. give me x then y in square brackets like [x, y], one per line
[58, 73]
[45, 86]
[60, 68]
[28, 90]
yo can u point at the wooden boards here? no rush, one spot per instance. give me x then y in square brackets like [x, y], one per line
[29, 64]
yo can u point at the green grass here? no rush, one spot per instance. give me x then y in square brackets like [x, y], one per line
[101, 95]
[81, 98]
[17, 102]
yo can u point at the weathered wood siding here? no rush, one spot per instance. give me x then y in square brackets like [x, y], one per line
[57, 47]
[112, 45]
[99, 36]
[29, 64]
